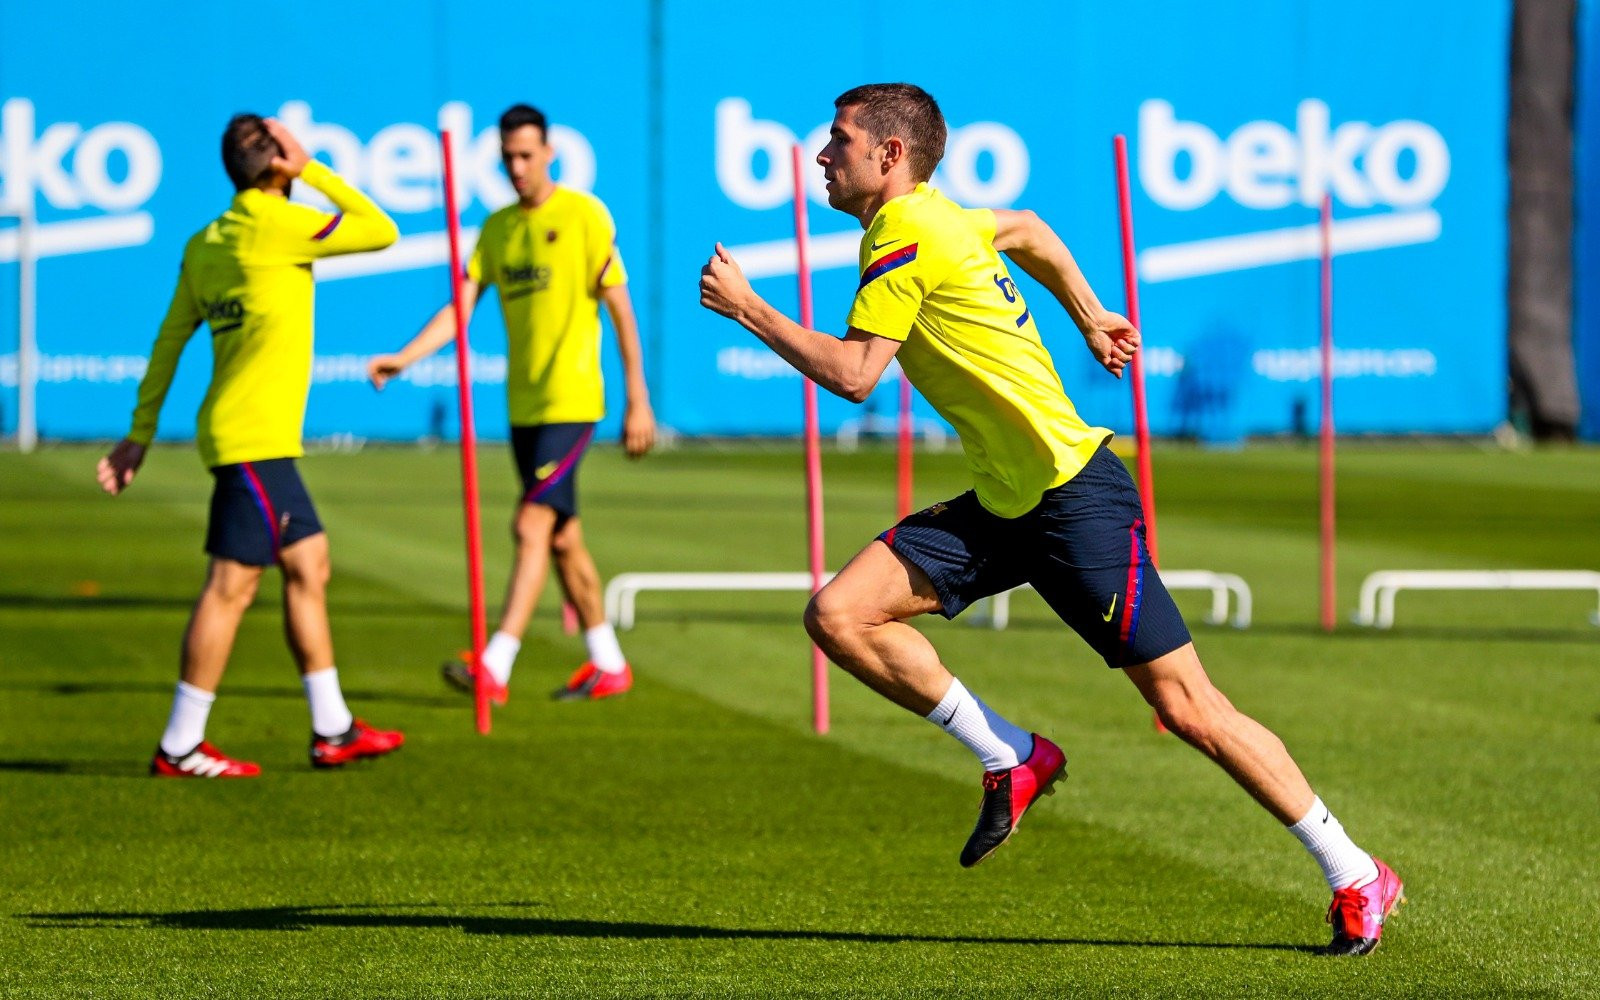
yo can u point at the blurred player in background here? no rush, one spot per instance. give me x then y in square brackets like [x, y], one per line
[247, 275]
[1052, 507]
[553, 257]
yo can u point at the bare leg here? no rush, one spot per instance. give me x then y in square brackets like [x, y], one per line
[858, 620]
[1177, 687]
[532, 527]
[229, 589]
[575, 568]
[305, 603]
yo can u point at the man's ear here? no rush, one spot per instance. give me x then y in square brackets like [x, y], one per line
[893, 152]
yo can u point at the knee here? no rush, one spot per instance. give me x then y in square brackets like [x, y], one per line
[532, 527]
[565, 543]
[309, 568]
[236, 588]
[830, 620]
[1197, 720]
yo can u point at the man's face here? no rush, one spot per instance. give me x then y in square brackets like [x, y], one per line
[852, 163]
[526, 155]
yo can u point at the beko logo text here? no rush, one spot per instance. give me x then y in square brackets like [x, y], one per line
[114, 166]
[400, 165]
[1263, 165]
[746, 145]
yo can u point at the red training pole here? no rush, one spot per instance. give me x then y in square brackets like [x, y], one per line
[1141, 422]
[907, 441]
[819, 663]
[1130, 284]
[469, 443]
[1329, 612]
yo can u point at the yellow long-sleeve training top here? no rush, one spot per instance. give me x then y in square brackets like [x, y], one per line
[247, 275]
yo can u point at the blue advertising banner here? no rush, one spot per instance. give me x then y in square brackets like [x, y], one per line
[1586, 216]
[1239, 117]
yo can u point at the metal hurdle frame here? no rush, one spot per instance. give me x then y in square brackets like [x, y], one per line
[621, 595]
[25, 251]
[1378, 590]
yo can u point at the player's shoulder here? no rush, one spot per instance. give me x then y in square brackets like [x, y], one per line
[500, 218]
[585, 203]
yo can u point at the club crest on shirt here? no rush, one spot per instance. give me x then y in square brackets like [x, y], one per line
[550, 236]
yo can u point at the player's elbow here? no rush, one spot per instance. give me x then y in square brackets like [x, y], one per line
[855, 389]
[384, 232]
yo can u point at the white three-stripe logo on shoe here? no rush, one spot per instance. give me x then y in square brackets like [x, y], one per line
[202, 764]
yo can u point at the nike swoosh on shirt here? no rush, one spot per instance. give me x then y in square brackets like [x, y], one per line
[885, 243]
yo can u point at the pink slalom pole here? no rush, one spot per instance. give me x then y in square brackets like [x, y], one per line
[1329, 609]
[906, 450]
[1141, 422]
[813, 448]
[469, 443]
[1130, 284]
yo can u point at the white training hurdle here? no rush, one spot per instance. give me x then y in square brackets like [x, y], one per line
[1222, 585]
[624, 589]
[622, 592]
[1378, 590]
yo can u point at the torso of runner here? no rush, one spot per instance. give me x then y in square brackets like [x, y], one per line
[930, 277]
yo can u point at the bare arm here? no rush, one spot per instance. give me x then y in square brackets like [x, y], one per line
[1028, 241]
[848, 367]
[436, 333]
[638, 420]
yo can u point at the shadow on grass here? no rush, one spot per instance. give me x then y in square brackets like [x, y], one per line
[95, 768]
[74, 688]
[169, 602]
[303, 918]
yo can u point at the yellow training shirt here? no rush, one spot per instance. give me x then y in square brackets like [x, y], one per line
[247, 275]
[930, 277]
[550, 264]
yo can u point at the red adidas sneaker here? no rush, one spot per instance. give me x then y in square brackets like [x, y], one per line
[361, 741]
[1357, 913]
[1008, 794]
[204, 761]
[590, 683]
[458, 674]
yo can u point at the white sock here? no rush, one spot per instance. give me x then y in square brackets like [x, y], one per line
[998, 743]
[604, 650]
[186, 726]
[1343, 863]
[500, 654]
[329, 715]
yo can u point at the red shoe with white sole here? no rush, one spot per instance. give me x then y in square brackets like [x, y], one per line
[204, 761]
[360, 741]
[1008, 794]
[590, 683]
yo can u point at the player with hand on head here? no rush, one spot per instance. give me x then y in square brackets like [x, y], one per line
[553, 257]
[1052, 506]
[247, 275]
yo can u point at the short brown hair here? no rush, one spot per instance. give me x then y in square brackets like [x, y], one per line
[904, 111]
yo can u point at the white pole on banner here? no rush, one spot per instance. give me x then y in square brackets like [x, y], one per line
[27, 340]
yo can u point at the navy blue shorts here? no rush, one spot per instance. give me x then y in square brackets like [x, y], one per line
[1082, 548]
[547, 457]
[257, 510]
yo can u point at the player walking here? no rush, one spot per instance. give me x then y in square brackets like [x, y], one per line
[247, 275]
[553, 257]
[1052, 506]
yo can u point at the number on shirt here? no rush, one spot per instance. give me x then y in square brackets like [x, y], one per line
[1008, 288]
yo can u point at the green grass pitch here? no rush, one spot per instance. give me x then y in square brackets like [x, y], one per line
[695, 839]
